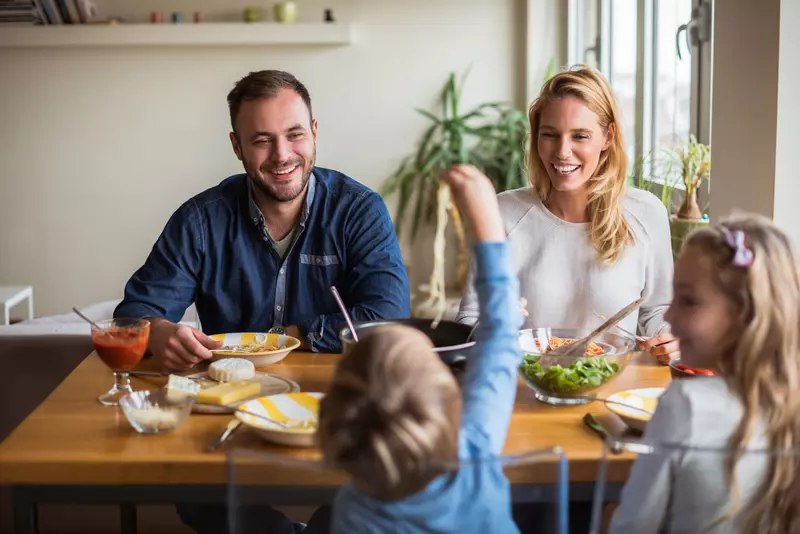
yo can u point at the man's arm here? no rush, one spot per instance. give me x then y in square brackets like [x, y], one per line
[375, 286]
[165, 286]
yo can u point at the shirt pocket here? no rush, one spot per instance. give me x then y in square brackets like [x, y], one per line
[323, 260]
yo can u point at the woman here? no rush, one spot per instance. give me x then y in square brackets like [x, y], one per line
[585, 245]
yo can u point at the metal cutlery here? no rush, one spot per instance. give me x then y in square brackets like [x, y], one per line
[232, 427]
[285, 425]
[578, 348]
[615, 445]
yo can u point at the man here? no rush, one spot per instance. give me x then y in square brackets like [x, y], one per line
[260, 250]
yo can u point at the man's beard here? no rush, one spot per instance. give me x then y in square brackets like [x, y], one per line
[281, 194]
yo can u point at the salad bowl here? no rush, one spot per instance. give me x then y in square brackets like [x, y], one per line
[566, 380]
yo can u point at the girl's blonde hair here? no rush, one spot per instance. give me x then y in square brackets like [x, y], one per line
[392, 416]
[763, 365]
[608, 230]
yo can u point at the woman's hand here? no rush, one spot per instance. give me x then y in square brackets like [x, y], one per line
[663, 347]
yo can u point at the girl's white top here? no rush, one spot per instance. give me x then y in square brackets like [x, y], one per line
[560, 275]
[685, 490]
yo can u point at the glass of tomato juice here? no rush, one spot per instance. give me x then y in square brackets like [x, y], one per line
[120, 343]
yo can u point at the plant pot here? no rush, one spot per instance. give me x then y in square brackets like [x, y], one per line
[680, 228]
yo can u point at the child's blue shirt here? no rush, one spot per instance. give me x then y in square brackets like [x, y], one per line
[476, 498]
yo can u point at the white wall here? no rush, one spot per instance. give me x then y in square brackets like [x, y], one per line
[99, 146]
[755, 157]
[744, 106]
[787, 155]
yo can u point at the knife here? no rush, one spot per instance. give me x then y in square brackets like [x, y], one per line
[616, 446]
[232, 427]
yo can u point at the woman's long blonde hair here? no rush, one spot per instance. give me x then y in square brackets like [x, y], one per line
[763, 367]
[608, 230]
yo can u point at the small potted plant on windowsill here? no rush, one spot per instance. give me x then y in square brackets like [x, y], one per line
[695, 161]
[689, 163]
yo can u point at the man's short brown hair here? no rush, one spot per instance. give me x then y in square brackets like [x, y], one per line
[264, 84]
[392, 416]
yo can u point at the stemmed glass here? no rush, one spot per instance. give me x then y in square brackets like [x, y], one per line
[120, 343]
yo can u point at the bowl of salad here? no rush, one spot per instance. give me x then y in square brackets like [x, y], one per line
[570, 380]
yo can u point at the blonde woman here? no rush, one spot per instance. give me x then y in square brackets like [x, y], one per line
[585, 244]
[736, 309]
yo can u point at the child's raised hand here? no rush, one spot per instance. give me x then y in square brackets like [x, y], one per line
[474, 196]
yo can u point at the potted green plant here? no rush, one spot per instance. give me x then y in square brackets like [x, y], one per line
[491, 136]
[689, 163]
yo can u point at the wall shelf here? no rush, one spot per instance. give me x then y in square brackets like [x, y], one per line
[204, 34]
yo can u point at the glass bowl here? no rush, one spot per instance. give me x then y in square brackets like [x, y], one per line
[152, 412]
[569, 380]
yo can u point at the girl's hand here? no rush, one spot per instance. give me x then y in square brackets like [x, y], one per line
[663, 347]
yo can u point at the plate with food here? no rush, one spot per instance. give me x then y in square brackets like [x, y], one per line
[227, 382]
[635, 406]
[288, 419]
[568, 380]
[261, 348]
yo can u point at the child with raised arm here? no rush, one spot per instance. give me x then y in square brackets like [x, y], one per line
[396, 421]
[736, 309]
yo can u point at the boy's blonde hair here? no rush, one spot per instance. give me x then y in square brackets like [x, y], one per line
[609, 233]
[392, 416]
[763, 367]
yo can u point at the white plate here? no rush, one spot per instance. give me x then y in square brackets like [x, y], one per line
[270, 385]
[301, 406]
[285, 344]
[645, 398]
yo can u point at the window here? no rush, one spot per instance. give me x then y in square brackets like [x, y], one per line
[663, 96]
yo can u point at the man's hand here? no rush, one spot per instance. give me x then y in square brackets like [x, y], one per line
[179, 347]
[474, 196]
[663, 347]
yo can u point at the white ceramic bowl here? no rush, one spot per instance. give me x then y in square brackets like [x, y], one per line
[630, 400]
[285, 344]
[287, 407]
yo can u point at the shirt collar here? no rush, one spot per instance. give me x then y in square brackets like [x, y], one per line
[258, 218]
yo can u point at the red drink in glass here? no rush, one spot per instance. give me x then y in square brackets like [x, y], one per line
[120, 343]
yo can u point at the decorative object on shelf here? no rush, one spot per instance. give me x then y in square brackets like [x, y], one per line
[491, 136]
[689, 163]
[252, 14]
[176, 17]
[329, 16]
[286, 11]
[198, 17]
[155, 17]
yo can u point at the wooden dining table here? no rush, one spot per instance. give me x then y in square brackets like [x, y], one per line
[73, 449]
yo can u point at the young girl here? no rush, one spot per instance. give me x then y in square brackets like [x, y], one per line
[396, 422]
[736, 309]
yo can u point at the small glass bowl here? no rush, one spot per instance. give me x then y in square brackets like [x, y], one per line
[558, 381]
[152, 412]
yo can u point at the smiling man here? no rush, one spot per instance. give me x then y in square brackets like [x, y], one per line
[260, 250]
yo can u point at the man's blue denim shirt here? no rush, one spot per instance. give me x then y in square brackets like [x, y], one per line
[214, 252]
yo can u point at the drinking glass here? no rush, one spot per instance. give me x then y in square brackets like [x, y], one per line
[120, 343]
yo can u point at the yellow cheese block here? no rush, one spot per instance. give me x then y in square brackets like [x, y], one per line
[229, 392]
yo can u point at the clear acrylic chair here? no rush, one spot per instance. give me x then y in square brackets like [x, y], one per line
[262, 476]
[681, 488]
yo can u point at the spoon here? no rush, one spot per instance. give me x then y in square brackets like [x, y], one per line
[339, 301]
[285, 425]
[94, 324]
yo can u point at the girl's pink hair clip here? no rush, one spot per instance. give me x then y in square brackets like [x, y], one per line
[742, 256]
